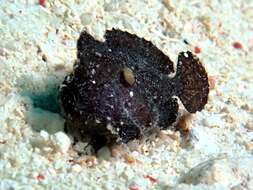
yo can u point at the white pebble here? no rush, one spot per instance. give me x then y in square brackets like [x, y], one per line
[62, 141]
[44, 135]
[135, 153]
[76, 168]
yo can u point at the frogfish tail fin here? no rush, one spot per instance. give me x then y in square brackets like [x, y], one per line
[191, 82]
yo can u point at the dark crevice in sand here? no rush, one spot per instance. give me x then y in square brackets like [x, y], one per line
[44, 112]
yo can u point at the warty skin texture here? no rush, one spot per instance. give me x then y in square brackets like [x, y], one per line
[120, 89]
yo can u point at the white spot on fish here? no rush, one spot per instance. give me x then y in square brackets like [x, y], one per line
[186, 54]
[93, 71]
[98, 54]
[62, 86]
[97, 121]
[68, 79]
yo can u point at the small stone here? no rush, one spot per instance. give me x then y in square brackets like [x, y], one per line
[44, 135]
[248, 146]
[82, 147]
[163, 135]
[76, 168]
[129, 159]
[39, 142]
[245, 107]
[197, 50]
[116, 151]
[135, 153]
[104, 153]
[249, 125]
[91, 161]
[40, 177]
[134, 187]
[182, 125]
[237, 45]
[228, 118]
[62, 141]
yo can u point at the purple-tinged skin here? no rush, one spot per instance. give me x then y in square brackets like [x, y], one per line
[101, 107]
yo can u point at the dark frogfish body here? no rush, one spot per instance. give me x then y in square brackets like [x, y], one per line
[122, 88]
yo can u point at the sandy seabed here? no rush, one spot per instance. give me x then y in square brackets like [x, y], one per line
[38, 48]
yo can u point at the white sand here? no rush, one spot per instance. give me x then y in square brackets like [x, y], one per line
[223, 132]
